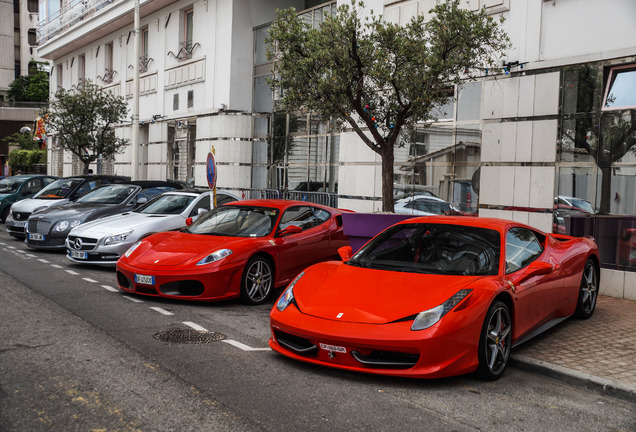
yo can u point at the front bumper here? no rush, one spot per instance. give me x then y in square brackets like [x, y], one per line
[387, 349]
[86, 250]
[204, 284]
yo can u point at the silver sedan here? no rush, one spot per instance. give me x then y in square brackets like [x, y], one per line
[103, 241]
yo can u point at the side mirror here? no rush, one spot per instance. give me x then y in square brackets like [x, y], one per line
[141, 201]
[188, 221]
[292, 229]
[535, 268]
[201, 211]
[345, 253]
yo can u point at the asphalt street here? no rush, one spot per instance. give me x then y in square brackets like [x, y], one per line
[77, 355]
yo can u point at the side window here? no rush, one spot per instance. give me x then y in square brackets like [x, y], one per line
[321, 215]
[48, 180]
[86, 188]
[522, 247]
[204, 203]
[301, 216]
[31, 187]
[222, 198]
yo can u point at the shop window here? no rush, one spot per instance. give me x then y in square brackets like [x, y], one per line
[620, 92]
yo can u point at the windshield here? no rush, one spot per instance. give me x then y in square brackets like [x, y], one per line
[586, 206]
[61, 188]
[9, 185]
[166, 204]
[432, 249]
[239, 221]
[111, 194]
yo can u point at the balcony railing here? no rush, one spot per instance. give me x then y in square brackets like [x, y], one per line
[70, 14]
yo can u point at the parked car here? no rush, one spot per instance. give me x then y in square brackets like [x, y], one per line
[48, 228]
[435, 297]
[18, 188]
[104, 241]
[243, 249]
[60, 191]
[424, 205]
[627, 247]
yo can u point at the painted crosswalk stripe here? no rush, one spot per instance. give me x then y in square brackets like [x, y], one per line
[161, 311]
[56, 266]
[110, 288]
[89, 280]
[74, 273]
[132, 299]
[43, 261]
[195, 326]
[31, 255]
[243, 346]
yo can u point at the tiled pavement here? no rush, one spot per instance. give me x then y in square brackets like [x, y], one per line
[599, 352]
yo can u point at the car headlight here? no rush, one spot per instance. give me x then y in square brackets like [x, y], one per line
[132, 249]
[427, 318]
[215, 256]
[66, 225]
[288, 296]
[117, 238]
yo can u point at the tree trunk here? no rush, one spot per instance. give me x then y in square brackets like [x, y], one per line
[606, 189]
[387, 180]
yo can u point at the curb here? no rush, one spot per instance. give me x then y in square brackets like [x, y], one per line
[576, 378]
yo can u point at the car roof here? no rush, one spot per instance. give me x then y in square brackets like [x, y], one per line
[500, 225]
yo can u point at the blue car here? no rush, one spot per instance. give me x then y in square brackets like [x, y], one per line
[19, 187]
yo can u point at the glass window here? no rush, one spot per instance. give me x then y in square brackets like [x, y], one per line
[302, 217]
[260, 47]
[222, 198]
[621, 88]
[522, 247]
[263, 101]
[322, 216]
[469, 101]
[204, 203]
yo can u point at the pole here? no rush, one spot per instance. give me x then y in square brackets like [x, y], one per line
[135, 125]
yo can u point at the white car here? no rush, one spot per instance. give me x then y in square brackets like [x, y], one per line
[103, 241]
[424, 205]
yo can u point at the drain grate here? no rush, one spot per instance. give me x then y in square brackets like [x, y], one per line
[188, 336]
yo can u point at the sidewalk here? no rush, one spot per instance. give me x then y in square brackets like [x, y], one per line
[598, 353]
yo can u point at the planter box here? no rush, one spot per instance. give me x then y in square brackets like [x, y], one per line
[362, 227]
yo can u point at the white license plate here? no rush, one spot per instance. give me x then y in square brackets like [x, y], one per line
[144, 279]
[36, 236]
[20, 224]
[333, 348]
[79, 255]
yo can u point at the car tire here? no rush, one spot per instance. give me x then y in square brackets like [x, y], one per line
[257, 281]
[495, 342]
[588, 291]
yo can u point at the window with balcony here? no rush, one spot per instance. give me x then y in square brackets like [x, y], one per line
[186, 44]
[59, 73]
[144, 59]
[81, 70]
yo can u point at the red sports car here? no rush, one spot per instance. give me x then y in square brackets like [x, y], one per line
[243, 249]
[436, 296]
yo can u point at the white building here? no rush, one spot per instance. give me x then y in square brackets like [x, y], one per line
[541, 127]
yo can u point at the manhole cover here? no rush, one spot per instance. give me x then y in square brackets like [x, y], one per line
[188, 336]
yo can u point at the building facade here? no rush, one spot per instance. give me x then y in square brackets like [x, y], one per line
[547, 139]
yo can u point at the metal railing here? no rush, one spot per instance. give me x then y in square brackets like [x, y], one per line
[323, 198]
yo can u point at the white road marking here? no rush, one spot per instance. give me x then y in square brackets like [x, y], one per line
[74, 273]
[110, 288]
[43, 261]
[2, 244]
[10, 247]
[89, 280]
[31, 255]
[195, 326]
[243, 346]
[161, 311]
[56, 266]
[133, 299]
[21, 251]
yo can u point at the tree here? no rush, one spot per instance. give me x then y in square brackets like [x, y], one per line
[84, 119]
[24, 140]
[376, 77]
[30, 88]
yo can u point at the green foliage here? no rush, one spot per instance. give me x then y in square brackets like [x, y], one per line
[376, 77]
[24, 140]
[23, 159]
[30, 88]
[84, 120]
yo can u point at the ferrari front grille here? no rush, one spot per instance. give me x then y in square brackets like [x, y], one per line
[296, 344]
[387, 359]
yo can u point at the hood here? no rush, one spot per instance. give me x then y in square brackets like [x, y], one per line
[179, 247]
[80, 211]
[30, 204]
[372, 296]
[121, 222]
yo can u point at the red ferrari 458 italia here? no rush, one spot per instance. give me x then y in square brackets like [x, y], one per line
[243, 249]
[436, 296]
